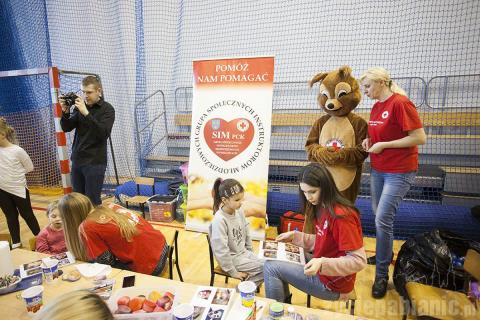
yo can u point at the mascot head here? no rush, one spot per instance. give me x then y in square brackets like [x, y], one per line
[339, 91]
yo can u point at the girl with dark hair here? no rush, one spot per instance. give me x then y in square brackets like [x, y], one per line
[337, 243]
[229, 233]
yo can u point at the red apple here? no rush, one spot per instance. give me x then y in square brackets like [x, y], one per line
[169, 294]
[161, 302]
[136, 303]
[123, 301]
[123, 309]
[148, 305]
[139, 311]
[168, 305]
[158, 309]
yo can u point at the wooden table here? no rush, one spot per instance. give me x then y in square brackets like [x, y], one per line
[12, 304]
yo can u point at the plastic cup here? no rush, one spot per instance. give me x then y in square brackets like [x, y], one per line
[50, 269]
[33, 298]
[183, 311]
[247, 293]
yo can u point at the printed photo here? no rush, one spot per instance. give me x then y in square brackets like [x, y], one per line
[222, 296]
[292, 248]
[293, 257]
[270, 254]
[270, 245]
[29, 272]
[215, 314]
[62, 258]
[32, 265]
[204, 294]
[198, 312]
[104, 289]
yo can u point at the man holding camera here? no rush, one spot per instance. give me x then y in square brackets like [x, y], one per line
[93, 120]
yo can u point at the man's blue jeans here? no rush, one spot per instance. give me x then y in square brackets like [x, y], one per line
[387, 190]
[278, 274]
[88, 180]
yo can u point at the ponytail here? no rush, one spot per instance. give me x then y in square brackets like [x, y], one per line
[395, 88]
[217, 199]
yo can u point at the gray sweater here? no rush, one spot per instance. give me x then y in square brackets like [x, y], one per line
[230, 240]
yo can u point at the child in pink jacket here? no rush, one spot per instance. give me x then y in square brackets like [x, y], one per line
[51, 239]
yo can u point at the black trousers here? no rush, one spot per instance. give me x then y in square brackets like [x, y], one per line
[88, 180]
[11, 206]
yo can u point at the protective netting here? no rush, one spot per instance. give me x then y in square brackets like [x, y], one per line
[34, 127]
[139, 47]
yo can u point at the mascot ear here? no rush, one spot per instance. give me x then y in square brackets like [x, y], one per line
[316, 78]
[345, 71]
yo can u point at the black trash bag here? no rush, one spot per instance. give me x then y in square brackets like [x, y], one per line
[427, 258]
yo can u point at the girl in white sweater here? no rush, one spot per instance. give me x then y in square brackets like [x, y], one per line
[229, 233]
[14, 195]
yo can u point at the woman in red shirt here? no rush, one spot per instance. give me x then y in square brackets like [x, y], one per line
[111, 235]
[337, 244]
[394, 132]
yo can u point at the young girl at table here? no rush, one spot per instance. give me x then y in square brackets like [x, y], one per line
[229, 233]
[118, 238]
[337, 244]
[14, 195]
[76, 305]
[51, 239]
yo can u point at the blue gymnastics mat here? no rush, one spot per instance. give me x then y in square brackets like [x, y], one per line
[412, 217]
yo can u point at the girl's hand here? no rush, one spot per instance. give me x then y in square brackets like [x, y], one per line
[377, 147]
[366, 144]
[313, 267]
[242, 275]
[285, 237]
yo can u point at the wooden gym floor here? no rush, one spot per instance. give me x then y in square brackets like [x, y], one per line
[194, 265]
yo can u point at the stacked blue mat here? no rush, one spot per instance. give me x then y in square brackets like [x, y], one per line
[412, 217]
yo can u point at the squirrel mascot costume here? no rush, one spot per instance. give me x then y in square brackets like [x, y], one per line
[335, 139]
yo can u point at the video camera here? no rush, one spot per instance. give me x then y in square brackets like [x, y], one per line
[69, 98]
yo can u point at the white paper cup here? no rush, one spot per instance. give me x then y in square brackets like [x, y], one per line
[50, 269]
[247, 293]
[183, 311]
[33, 298]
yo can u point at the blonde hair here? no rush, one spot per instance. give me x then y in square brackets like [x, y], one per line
[8, 131]
[75, 208]
[76, 305]
[52, 206]
[104, 215]
[379, 74]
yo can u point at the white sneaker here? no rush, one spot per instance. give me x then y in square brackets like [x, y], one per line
[16, 245]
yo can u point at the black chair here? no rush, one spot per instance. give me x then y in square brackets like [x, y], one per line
[217, 269]
[173, 257]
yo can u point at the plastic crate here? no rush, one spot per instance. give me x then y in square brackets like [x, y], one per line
[161, 208]
[137, 291]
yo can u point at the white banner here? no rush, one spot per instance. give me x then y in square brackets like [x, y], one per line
[230, 136]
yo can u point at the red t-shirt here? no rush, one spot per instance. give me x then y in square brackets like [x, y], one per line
[391, 120]
[335, 236]
[141, 254]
